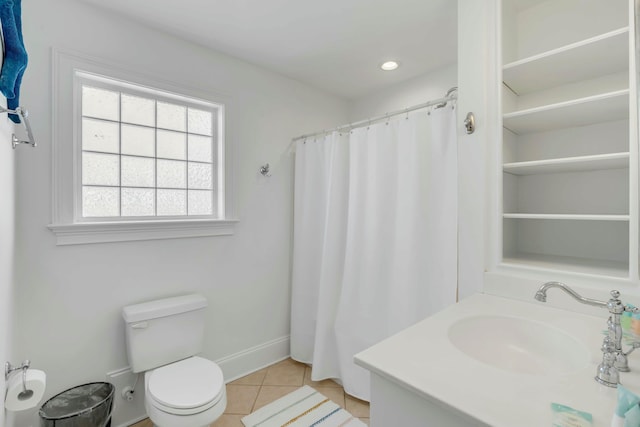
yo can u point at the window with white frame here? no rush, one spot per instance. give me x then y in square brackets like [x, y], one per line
[144, 154]
[136, 156]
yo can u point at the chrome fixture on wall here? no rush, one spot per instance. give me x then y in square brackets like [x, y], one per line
[264, 170]
[20, 111]
[470, 123]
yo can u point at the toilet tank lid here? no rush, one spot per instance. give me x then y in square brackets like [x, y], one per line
[163, 307]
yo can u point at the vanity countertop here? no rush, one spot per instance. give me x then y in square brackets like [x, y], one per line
[423, 360]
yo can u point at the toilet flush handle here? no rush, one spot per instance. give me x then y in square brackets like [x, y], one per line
[141, 325]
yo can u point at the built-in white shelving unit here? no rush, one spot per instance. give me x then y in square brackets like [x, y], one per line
[568, 159]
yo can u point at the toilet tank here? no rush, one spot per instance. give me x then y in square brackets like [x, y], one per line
[164, 331]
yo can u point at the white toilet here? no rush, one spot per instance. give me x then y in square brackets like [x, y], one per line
[163, 337]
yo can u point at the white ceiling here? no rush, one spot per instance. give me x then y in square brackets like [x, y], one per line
[335, 45]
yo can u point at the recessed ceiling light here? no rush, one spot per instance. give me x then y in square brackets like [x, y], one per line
[389, 66]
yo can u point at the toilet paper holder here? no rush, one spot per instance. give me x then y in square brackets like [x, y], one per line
[9, 369]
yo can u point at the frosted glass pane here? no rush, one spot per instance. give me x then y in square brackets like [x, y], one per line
[172, 145]
[172, 202]
[200, 176]
[200, 148]
[100, 201]
[98, 135]
[200, 202]
[138, 202]
[100, 169]
[100, 103]
[172, 174]
[200, 122]
[171, 116]
[141, 111]
[138, 140]
[138, 172]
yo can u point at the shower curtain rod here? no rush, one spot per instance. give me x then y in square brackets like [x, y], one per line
[441, 102]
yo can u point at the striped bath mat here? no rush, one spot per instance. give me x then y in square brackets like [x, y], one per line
[305, 407]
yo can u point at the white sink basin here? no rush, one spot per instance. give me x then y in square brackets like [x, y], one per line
[519, 345]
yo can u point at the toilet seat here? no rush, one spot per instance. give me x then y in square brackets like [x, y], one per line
[186, 387]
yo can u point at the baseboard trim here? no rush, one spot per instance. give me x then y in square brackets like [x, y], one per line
[133, 421]
[255, 358]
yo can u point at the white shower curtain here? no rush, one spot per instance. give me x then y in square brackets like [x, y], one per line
[375, 238]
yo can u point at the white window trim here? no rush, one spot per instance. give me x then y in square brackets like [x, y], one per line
[67, 227]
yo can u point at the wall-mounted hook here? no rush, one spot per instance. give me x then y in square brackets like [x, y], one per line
[470, 123]
[264, 170]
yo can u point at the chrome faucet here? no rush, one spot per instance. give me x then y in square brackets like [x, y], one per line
[541, 295]
[614, 360]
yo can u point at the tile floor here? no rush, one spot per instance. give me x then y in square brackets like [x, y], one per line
[254, 391]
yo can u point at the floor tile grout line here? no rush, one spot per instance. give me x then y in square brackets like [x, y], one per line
[253, 407]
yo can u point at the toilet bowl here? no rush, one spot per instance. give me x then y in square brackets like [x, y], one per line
[187, 393]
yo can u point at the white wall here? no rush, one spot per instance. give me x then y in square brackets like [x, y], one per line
[412, 92]
[69, 297]
[7, 219]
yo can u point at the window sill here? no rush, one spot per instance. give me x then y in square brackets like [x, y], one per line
[105, 232]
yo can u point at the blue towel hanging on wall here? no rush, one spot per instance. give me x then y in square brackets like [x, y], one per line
[15, 55]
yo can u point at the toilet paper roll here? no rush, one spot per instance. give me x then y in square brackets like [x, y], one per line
[16, 399]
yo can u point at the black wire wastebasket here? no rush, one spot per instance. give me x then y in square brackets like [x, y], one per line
[87, 405]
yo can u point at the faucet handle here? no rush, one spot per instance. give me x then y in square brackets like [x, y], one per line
[615, 294]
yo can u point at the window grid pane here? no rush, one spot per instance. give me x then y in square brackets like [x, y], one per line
[100, 201]
[100, 103]
[123, 133]
[100, 136]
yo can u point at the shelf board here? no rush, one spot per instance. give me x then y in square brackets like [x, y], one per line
[594, 57]
[564, 263]
[569, 164]
[573, 217]
[577, 112]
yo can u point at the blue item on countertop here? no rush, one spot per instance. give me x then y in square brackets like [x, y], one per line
[632, 417]
[627, 413]
[626, 400]
[15, 54]
[566, 416]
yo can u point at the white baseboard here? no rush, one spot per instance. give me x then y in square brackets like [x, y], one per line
[255, 358]
[133, 421]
